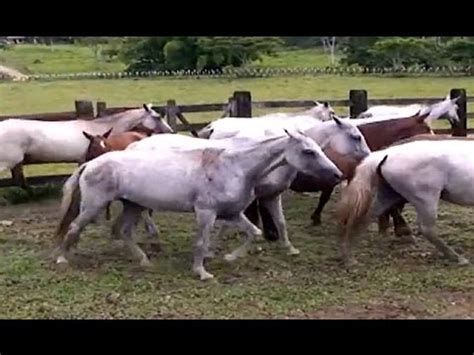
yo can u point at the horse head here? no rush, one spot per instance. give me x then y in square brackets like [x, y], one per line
[97, 145]
[153, 121]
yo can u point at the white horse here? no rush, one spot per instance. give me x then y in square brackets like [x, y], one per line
[300, 120]
[339, 135]
[35, 141]
[214, 183]
[321, 111]
[420, 172]
[447, 107]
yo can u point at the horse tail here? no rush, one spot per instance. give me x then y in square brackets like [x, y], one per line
[107, 212]
[70, 203]
[356, 199]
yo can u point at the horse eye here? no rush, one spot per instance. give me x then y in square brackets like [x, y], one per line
[309, 152]
[357, 138]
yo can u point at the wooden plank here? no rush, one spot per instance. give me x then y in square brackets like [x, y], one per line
[449, 131]
[191, 127]
[295, 103]
[357, 102]
[202, 108]
[50, 116]
[37, 180]
[460, 127]
[409, 101]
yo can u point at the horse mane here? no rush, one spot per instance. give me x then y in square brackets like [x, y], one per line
[432, 137]
[117, 116]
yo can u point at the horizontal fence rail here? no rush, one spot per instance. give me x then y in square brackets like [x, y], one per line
[239, 105]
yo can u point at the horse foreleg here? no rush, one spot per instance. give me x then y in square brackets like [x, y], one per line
[205, 220]
[275, 208]
[323, 199]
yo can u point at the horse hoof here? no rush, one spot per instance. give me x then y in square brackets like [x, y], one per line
[408, 239]
[230, 257]
[61, 260]
[206, 276]
[350, 263]
[462, 261]
[316, 221]
[146, 264]
[293, 251]
[210, 255]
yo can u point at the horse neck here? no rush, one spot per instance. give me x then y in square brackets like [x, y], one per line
[321, 132]
[382, 134]
[124, 121]
[262, 158]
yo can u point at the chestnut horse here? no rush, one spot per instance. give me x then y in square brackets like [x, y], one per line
[102, 144]
[378, 135]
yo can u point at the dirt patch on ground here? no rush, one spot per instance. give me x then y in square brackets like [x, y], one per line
[11, 74]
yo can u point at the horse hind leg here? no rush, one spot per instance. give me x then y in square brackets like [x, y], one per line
[250, 230]
[427, 214]
[18, 177]
[85, 217]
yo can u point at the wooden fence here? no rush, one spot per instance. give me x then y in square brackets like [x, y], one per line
[239, 105]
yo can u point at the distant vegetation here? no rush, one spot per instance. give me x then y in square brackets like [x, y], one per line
[113, 54]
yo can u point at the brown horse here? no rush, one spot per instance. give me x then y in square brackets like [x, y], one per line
[102, 144]
[378, 136]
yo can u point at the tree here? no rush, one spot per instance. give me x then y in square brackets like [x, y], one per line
[460, 51]
[356, 51]
[398, 52]
[174, 53]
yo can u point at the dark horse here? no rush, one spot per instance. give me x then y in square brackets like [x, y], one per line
[378, 136]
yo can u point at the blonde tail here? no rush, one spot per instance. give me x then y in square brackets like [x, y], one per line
[354, 206]
[70, 203]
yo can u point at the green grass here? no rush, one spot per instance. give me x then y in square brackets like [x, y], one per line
[56, 59]
[298, 58]
[393, 280]
[67, 58]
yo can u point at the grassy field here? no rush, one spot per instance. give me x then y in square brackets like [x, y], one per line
[393, 281]
[56, 59]
[66, 58]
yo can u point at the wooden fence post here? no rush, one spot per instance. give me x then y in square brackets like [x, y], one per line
[171, 113]
[84, 109]
[101, 106]
[460, 129]
[243, 104]
[357, 102]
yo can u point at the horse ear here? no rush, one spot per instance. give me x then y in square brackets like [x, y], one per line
[147, 107]
[107, 134]
[421, 118]
[326, 104]
[87, 135]
[455, 99]
[337, 120]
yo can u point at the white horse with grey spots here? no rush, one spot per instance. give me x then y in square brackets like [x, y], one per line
[420, 172]
[339, 135]
[214, 183]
